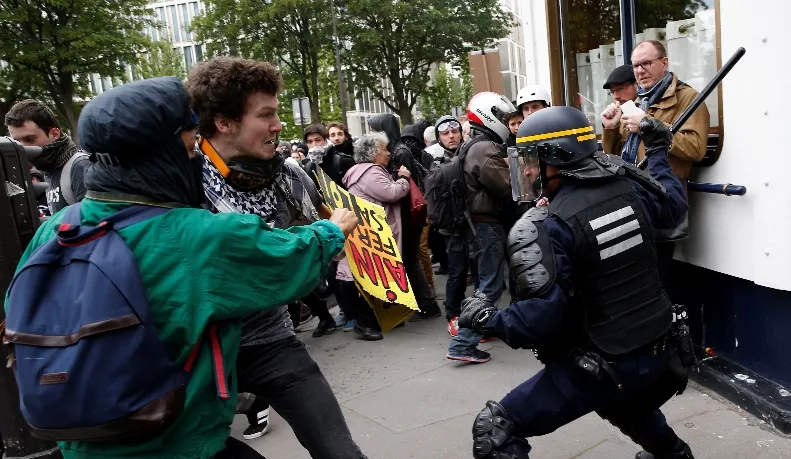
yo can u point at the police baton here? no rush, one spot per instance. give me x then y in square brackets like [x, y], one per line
[702, 96]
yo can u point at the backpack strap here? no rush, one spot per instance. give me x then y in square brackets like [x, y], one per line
[215, 347]
[65, 177]
[71, 231]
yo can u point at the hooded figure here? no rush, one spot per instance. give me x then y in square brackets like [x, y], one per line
[196, 268]
[387, 123]
[132, 133]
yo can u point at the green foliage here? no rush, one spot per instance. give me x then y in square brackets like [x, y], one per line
[16, 85]
[295, 35]
[161, 59]
[400, 40]
[61, 40]
[441, 96]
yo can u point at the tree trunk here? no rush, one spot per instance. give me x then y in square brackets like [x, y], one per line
[405, 112]
[71, 117]
[314, 86]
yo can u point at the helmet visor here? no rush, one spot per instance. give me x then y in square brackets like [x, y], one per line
[525, 171]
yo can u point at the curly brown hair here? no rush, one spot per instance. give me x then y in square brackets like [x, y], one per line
[222, 85]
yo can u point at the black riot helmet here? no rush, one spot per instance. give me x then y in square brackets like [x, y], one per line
[559, 136]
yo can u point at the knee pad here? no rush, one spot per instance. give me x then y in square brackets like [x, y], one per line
[490, 431]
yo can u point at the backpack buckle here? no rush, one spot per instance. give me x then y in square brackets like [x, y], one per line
[66, 230]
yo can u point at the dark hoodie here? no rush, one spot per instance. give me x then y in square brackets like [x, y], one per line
[388, 124]
[133, 129]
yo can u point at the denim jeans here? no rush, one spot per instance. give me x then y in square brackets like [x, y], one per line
[487, 251]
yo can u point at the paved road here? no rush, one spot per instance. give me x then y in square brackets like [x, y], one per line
[403, 399]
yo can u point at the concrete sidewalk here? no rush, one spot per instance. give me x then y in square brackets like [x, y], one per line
[403, 399]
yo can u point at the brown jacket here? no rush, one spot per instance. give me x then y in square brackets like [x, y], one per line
[488, 181]
[689, 143]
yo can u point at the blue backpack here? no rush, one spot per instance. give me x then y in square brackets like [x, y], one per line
[88, 362]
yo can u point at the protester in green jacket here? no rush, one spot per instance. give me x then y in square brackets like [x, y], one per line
[198, 268]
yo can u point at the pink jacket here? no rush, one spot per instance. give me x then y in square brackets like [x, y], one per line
[372, 183]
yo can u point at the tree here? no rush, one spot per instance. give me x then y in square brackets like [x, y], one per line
[161, 59]
[398, 41]
[293, 34]
[63, 42]
[446, 93]
[16, 85]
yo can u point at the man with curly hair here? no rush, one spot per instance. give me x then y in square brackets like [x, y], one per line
[236, 103]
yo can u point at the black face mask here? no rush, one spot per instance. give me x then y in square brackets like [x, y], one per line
[247, 174]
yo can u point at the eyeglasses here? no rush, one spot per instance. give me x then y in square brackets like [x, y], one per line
[645, 64]
[616, 89]
[447, 125]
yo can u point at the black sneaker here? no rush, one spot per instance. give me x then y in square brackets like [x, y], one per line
[257, 430]
[476, 356]
[421, 316]
[324, 327]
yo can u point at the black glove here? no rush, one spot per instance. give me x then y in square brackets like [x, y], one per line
[475, 313]
[656, 136]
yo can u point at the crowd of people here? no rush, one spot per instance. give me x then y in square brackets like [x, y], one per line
[244, 241]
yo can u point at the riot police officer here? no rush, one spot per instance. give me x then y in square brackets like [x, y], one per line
[591, 304]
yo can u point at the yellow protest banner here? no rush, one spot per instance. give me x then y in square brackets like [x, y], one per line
[373, 256]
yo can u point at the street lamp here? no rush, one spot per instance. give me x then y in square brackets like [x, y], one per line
[341, 85]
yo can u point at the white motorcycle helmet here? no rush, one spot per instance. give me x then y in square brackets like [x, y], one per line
[487, 111]
[532, 93]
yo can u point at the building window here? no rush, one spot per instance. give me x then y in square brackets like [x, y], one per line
[198, 53]
[163, 23]
[175, 32]
[188, 61]
[592, 48]
[185, 23]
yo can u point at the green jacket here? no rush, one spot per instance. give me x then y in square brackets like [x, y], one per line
[198, 268]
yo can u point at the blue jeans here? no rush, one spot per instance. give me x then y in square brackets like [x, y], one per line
[487, 251]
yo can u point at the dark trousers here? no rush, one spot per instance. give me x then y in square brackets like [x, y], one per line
[458, 264]
[664, 263]
[561, 393]
[436, 242]
[235, 449]
[355, 307]
[410, 239]
[318, 307]
[283, 374]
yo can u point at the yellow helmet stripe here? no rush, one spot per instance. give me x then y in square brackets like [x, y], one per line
[554, 135]
[583, 138]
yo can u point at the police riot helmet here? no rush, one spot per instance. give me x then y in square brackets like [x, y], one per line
[558, 136]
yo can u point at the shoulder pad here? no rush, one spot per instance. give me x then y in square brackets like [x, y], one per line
[537, 213]
[635, 173]
[530, 255]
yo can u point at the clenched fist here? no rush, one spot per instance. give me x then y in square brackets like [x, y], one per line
[611, 116]
[345, 219]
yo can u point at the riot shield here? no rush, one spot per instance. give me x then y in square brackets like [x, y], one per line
[19, 219]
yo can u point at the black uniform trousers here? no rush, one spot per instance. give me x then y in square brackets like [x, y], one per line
[561, 393]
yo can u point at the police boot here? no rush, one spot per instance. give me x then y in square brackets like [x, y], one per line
[682, 451]
[492, 428]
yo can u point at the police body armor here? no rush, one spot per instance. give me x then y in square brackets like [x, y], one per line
[617, 303]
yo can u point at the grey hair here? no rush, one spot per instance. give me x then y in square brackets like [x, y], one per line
[368, 146]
